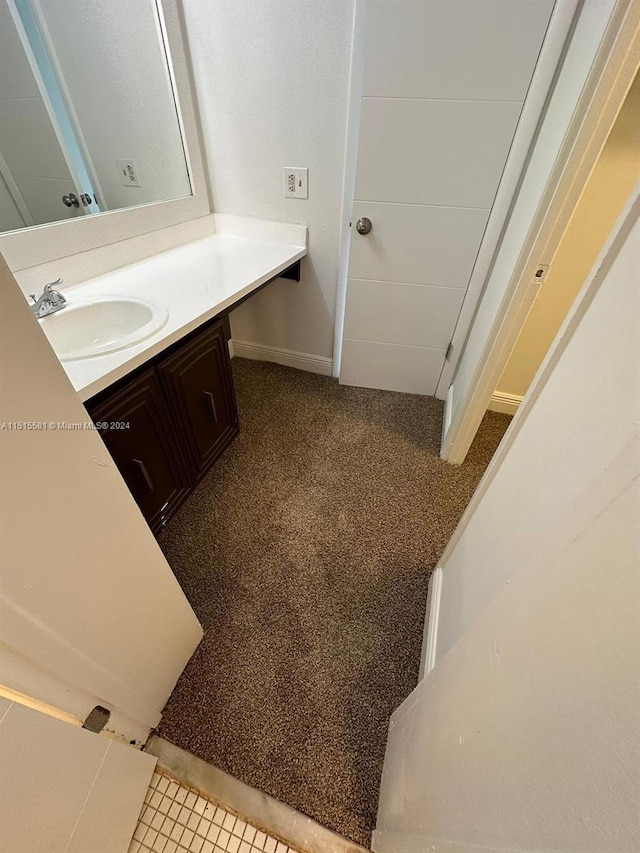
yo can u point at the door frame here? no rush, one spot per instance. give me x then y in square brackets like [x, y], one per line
[624, 224]
[614, 68]
[559, 29]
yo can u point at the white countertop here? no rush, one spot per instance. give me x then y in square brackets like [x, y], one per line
[195, 282]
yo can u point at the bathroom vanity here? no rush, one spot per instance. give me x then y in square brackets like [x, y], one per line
[147, 349]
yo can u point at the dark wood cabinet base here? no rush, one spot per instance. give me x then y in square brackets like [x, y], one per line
[201, 397]
[168, 422]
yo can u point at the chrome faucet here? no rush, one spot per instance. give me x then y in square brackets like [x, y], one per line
[49, 302]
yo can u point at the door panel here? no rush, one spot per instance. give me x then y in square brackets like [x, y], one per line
[29, 142]
[390, 366]
[389, 312]
[449, 152]
[443, 89]
[439, 48]
[417, 244]
[43, 197]
[34, 160]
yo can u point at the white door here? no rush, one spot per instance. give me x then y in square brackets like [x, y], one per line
[90, 612]
[64, 789]
[444, 84]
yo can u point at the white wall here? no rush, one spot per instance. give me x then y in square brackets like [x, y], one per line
[590, 26]
[525, 735]
[114, 67]
[272, 83]
[86, 594]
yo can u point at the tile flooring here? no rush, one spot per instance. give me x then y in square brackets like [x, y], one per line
[176, 819]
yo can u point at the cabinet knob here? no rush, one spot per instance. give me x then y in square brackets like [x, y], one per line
[364, 225]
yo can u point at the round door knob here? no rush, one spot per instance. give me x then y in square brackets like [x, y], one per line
[364, 225]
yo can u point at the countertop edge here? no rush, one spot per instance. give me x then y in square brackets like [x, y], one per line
[88, 391]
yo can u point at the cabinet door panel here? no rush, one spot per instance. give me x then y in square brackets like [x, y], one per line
[145, 451]
[199, 386]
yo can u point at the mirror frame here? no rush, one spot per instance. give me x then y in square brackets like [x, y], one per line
[39, 244]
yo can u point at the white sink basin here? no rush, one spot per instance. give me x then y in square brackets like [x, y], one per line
[87, 328]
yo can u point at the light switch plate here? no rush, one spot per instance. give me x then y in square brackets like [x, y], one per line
[128, 173]
[296, 182]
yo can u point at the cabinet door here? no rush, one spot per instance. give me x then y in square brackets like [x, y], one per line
[139, 436]
[199, 386]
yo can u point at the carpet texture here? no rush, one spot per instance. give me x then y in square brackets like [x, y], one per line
[306, 553]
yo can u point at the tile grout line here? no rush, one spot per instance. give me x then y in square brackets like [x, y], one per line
[229, 809]
[174, 819]
[273, 817]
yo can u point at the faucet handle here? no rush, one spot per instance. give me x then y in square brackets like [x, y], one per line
[49, 287]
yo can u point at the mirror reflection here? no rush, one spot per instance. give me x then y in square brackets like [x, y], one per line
[88, 119]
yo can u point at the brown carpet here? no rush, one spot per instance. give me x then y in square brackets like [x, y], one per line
[306, 554]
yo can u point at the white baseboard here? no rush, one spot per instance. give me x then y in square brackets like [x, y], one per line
[505, 403]
[289, 358]
[428, 660]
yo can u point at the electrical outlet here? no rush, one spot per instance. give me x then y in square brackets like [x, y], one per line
[296, 182]
[128, 173]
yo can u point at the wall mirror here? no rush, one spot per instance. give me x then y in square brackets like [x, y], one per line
[89, 120]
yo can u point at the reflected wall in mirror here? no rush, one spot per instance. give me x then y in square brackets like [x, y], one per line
[88, 117]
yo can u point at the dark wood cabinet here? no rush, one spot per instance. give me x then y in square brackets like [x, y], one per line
[139, 435]
[166, 424]
[200, 391]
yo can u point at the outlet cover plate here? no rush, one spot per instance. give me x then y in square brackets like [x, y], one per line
[296, 182]
[128, 173]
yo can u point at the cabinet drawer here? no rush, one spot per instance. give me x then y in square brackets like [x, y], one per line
[146, 452]
[199, 386]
